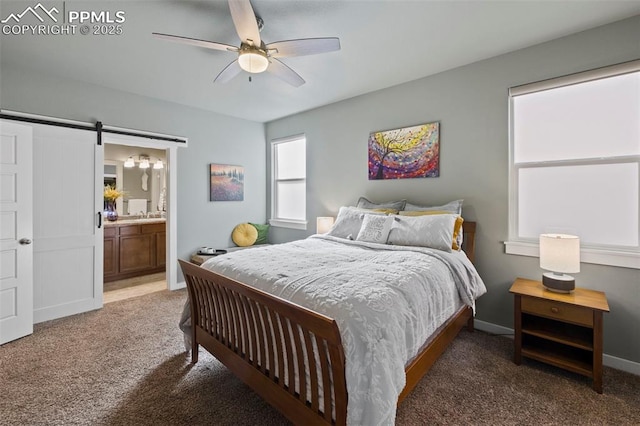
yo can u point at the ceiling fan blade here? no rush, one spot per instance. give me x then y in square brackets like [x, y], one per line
[245, 21]
[195, 42]
[285, 73]
[303, 46]
[228, 72]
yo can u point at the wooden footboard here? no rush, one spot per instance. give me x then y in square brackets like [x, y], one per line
[267, 341]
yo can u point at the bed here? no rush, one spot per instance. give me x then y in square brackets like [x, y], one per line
[339, 360]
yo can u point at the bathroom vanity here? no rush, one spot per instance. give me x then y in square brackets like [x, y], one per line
[134, 247]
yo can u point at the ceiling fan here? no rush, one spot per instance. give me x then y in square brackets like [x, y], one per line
[254, 56]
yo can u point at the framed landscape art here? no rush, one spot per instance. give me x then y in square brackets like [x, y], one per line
[405, 153]
[226, 182]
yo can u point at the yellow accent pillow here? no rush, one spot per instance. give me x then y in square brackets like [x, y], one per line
[457, 228]
[244, 235]
[385, 211]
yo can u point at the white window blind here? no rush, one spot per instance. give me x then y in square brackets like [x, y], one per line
[575, 163]
[289, 187]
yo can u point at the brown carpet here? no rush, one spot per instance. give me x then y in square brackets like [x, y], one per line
[126, 365]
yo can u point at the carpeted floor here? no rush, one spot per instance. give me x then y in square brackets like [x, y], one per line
[126, 365]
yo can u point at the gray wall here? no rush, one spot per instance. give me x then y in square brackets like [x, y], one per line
[471, 104]
[213, 138]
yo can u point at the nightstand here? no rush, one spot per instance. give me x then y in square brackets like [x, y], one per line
[199, 259]
[564, 330]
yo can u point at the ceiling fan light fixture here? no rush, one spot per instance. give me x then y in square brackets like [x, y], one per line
[253, 60]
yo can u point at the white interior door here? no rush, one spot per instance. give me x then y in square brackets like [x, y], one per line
[67, 262]
[16, 231]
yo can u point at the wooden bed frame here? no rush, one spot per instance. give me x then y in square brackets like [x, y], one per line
[266, 341]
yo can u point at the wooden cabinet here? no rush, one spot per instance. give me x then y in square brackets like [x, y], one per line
[132, 250]
[161, 248]
[136, 252]
[564, 330]
[110, 257]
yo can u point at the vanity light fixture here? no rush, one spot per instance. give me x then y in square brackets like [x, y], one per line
[129, 163]
[158, 164]
[144, 162]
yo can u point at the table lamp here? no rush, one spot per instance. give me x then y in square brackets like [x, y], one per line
[559, 253]
[324, 224]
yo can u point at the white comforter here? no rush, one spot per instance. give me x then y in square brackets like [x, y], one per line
[387, 300]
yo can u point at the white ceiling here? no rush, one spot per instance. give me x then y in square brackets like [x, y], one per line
[384, 43]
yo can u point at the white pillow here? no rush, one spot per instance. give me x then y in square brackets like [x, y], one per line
[348, 222]
[375, 228]
[433, 231]
[453, 207]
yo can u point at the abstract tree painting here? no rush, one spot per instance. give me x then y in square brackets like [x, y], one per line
[405, 153]
[226, 182]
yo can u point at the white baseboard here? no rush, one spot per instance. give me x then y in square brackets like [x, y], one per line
[179, 285]
[621, 364]
[608, 360]
[492, 328]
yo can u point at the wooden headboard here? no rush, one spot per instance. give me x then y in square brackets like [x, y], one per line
[469, 239]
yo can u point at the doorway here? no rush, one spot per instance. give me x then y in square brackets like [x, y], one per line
[135, 235]
[139, 247]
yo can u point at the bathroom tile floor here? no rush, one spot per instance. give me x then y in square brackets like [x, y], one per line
[134, 287]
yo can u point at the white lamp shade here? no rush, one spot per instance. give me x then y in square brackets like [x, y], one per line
[324, 224]
[129, 163]
[144, 163]
[158, 165]
[560, 253]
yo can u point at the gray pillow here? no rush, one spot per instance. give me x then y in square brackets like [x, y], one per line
[433, 231]
[363, 203]
[453, 207]
[349, 222]
[375, 228]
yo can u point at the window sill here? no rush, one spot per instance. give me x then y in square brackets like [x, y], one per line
[289, 223]
[620, 258]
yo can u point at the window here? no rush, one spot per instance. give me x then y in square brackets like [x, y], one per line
[575, 163]
[289, 182]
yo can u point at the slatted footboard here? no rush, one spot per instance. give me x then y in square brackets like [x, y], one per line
[267, 342]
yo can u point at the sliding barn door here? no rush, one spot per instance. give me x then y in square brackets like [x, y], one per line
[16, 234]
[67, 194]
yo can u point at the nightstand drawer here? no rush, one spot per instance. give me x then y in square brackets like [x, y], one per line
[559, 311]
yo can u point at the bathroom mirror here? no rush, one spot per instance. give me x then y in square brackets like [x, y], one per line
[137, 184]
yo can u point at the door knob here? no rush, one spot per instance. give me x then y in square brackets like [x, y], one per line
[24, 241]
